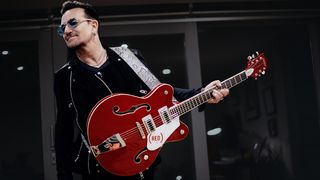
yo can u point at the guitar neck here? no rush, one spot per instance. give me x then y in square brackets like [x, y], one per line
[205, 96]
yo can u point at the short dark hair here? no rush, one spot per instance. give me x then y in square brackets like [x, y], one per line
[88, 8]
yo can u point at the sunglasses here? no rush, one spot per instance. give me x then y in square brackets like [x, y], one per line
[72, 24]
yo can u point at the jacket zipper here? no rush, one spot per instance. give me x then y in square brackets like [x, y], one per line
[105, 84]
[83, 139]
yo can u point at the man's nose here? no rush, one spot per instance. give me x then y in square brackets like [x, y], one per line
[67, 30]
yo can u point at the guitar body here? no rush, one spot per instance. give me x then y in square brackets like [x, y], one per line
[115, 118]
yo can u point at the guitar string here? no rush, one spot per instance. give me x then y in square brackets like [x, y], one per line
[131, 131]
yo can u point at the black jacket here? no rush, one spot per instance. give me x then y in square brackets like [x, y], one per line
[78, 88]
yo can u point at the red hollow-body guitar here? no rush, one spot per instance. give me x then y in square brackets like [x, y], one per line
[126, 132]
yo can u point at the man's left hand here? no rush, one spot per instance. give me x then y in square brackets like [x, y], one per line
[218, 94]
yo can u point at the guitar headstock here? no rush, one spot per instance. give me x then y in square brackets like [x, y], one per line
[257, 65]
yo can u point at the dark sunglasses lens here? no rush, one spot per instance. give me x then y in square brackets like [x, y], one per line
[61, 29]
[72, 23]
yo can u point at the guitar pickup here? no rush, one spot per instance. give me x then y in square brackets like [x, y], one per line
[149, 123]
[164, 114]
[110, 144]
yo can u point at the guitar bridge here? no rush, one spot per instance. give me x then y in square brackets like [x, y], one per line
[143, 136]
[110, 144]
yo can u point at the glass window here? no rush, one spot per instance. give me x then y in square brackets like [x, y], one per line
[20, 130]
[253, 120]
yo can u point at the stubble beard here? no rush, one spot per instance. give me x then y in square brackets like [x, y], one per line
[74, 46]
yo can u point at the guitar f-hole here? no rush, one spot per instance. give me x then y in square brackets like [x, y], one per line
[116, 109]
[137, 158]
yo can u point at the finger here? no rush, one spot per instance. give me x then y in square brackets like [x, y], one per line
[217, 83]
[217, 95]
[224, 92]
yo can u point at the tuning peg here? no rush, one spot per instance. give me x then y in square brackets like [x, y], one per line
[253, 56]
[249, 58]
[263, 72]
[257, 53]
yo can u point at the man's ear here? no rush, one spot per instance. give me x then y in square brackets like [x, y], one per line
[95, 25]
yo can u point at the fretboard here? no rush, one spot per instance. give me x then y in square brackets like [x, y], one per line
[203, 97]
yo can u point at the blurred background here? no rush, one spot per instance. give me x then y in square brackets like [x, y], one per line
[265, 129]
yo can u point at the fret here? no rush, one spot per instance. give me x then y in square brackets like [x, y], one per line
[208, 95]
[233, 82]
[192, 102]
[183, 108]
[180, 109]
[238, 80]
[204, 98]
[223, 85]
[175, 110]
[197, 100]
[228, 84]
[243, 76]
[189, 105]
[171, 111]
[201, 96]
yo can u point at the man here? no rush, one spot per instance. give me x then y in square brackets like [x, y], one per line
[93, 72]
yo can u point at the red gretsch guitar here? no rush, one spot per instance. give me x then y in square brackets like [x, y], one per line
[126, 132]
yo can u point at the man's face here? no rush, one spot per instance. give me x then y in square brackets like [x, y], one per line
[78, 29]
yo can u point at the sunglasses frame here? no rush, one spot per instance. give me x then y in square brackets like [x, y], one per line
[71, 23]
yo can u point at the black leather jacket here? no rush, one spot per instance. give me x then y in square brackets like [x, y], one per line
[78, 88]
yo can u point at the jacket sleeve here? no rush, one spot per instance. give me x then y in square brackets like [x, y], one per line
[63, 130]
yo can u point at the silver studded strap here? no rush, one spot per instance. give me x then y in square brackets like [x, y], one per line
[137, 66]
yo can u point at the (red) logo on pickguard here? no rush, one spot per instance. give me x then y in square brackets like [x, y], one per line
[155, 138]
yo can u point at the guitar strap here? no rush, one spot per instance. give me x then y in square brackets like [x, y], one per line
[137, 66]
